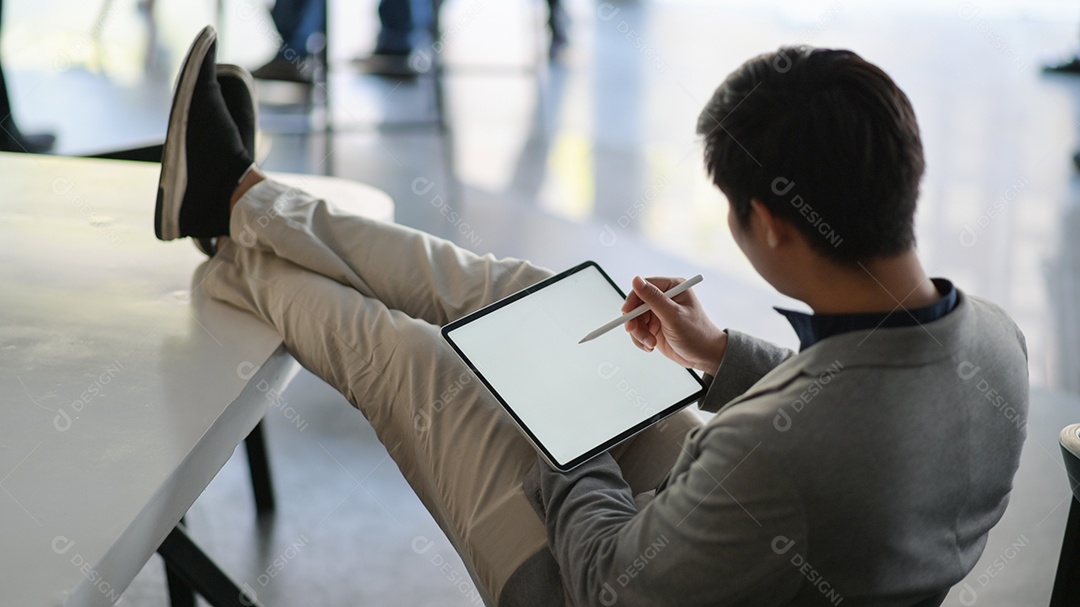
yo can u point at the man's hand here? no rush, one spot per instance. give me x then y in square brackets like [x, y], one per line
[678, 327]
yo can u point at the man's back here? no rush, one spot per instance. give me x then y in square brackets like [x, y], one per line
[880, 458]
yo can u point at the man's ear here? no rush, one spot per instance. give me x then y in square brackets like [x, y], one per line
[776, 231]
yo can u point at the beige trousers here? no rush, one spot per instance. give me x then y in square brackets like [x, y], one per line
[359, 303]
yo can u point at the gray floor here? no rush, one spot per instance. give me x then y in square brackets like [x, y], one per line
[595, 157]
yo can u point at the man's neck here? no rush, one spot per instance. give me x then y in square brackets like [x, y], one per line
[880, 285]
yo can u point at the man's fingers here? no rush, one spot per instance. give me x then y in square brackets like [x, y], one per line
[635, 336]
[640, 333]
[662, 282]
[659, 304]
[653, 325]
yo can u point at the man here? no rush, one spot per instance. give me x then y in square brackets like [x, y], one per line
[866, 469]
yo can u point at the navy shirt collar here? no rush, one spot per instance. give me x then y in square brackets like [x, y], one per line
[812, 328]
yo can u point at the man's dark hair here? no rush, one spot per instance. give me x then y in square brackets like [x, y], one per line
[827, 141]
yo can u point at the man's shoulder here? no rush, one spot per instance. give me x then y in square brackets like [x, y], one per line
[891, 366]
[988, 314]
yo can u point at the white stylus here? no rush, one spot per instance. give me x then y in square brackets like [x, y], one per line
[638, 311]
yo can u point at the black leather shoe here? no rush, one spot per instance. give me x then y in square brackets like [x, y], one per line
[204, 155]
[394, 65]
[238, 90]
[300, 70]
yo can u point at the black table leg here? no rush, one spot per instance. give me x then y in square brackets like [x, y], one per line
[180, 594]
[183, 559]
[189, 565]
[259, 463]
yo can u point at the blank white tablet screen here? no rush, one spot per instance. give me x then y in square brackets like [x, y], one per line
[572, 397]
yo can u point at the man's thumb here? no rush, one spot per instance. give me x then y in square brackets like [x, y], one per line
[649, 293]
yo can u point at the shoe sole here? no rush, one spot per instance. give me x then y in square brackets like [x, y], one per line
[173, 182]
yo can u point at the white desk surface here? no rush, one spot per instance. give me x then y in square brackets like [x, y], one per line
[123, 389]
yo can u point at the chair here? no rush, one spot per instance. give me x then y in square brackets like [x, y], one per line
[1067, 581]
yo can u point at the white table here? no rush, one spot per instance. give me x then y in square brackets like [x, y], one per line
[123, 390]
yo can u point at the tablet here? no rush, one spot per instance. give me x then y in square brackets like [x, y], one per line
[572, 401]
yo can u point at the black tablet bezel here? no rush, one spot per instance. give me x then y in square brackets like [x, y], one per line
[564, 467]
